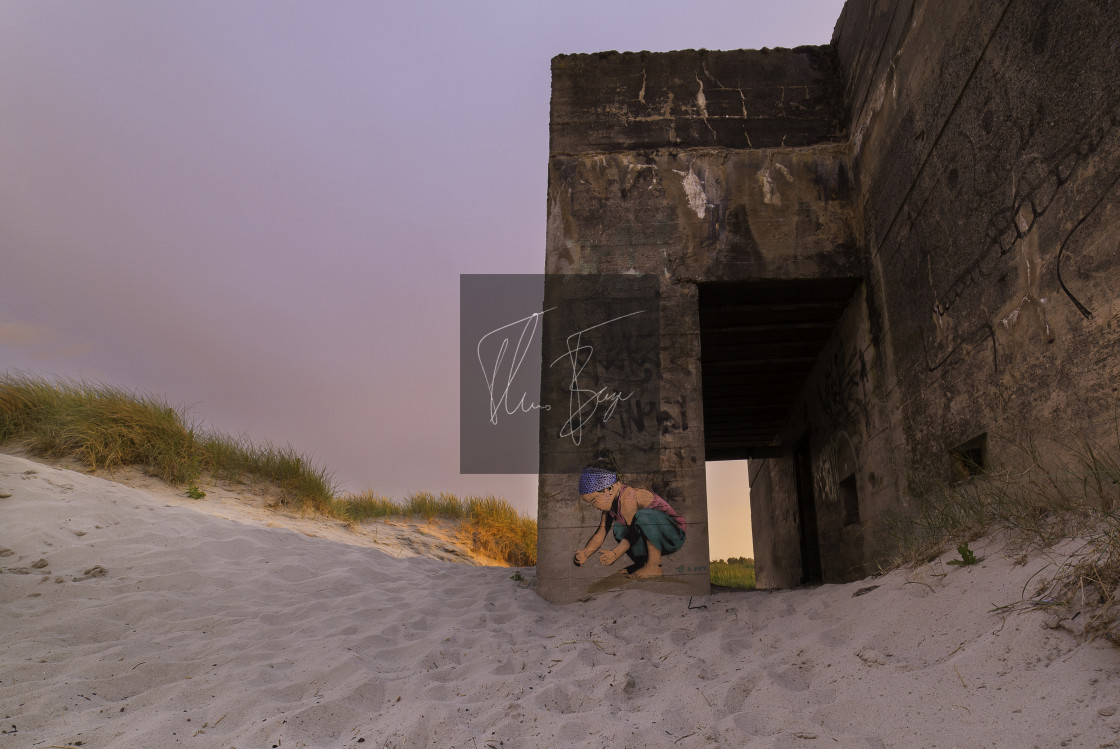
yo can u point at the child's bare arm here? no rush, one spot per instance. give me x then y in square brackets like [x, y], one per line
[608, 558]
[593, 543]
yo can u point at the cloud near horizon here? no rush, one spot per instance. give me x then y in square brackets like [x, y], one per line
[40, 341]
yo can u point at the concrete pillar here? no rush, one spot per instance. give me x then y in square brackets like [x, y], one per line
[657, 437]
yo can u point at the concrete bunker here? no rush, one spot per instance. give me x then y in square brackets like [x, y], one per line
[745, 223]
[873, 260]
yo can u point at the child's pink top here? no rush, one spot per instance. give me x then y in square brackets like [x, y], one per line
[657, 503]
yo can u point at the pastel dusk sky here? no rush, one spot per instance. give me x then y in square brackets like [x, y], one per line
[261, 210]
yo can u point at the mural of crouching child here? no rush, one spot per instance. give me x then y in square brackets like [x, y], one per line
[645, 526]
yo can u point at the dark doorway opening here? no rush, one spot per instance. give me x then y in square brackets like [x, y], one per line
[759, 342]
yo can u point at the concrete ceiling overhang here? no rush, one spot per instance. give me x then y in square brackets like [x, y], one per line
[759, 340]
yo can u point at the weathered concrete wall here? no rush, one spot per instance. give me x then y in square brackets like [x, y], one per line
[565, 523]
[695, 99]
[986, 149]
[774, 520]
[653, 171]
[846, 412]
[703, 214]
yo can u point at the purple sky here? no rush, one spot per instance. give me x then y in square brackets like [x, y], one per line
[261, 209]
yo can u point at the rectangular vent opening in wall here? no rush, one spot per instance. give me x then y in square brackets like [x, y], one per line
[971, 458]
[849, 499]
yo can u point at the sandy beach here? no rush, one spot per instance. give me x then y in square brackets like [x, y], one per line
[131, 618]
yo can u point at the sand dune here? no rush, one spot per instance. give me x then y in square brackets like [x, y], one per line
[129, 622]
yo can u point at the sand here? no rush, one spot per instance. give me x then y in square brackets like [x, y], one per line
[130, 621]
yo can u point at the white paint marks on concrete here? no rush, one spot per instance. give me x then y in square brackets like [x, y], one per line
[1024, 219]
[633, 170]
[1030, 315]
[745, 117]
[702, 103]
[871, 109]
[770, 194]
[563, 250]
[694, 191]
[667, 113]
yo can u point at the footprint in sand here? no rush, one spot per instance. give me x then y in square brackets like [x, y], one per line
[872, 657]
[795, 678]
[95, 571]
[35, 567]
[735, 700]
[561, 699]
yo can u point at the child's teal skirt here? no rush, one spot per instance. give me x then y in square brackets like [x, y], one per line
[653, 527]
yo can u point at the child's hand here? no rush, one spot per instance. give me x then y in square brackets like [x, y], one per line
[581, 557]
[607, 558]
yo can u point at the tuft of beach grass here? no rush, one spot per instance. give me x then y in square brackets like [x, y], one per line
[1046, 492]
[489, 525]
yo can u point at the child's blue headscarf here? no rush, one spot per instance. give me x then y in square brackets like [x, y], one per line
[595, 479]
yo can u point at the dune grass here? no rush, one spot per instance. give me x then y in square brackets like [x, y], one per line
[107, 427]
[736, 572]
[490, 525]
[1048, 492]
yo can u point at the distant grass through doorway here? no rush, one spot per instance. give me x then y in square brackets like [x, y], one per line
[729, 524]
[736, 572]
